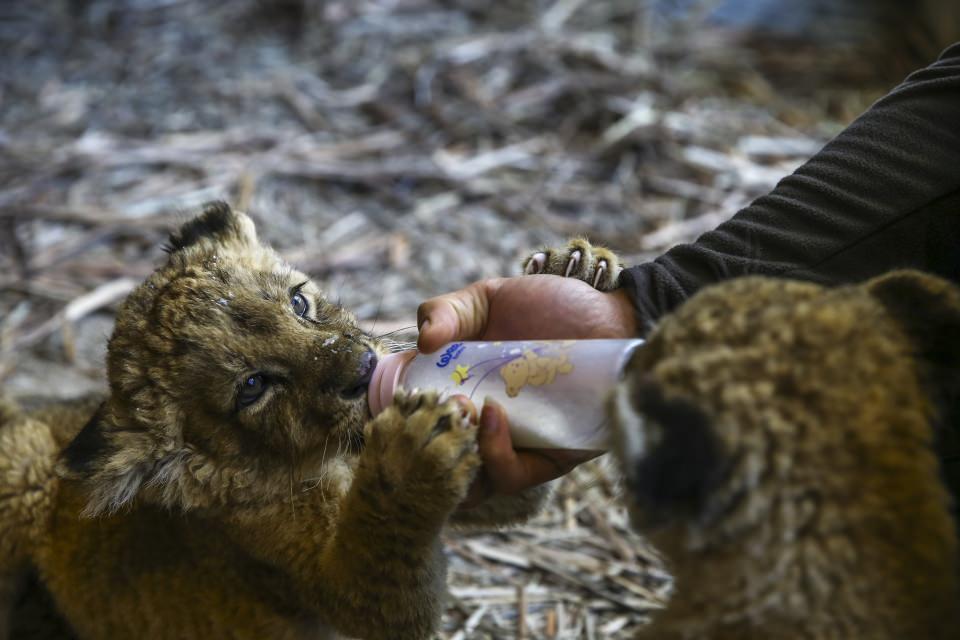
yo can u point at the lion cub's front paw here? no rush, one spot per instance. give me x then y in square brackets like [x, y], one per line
[597, 266]
[425, 451]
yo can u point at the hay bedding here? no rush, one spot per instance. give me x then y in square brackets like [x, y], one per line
[395, 150]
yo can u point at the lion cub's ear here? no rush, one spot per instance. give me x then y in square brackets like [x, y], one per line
[928, 309]
[114, 463]
[217, 223]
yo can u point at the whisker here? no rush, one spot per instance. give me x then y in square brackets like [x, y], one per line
[323, 456]
[395, 331]
[323, 464]
[395, 346]
[293, 506]
[376, 316]
[339, 446]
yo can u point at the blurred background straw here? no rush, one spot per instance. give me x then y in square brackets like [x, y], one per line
[398, 149]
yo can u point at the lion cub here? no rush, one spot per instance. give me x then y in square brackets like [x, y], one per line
[232, 483]
[777, 439]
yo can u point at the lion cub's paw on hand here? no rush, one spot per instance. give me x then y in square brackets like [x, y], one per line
[424, 448]
[597, 266]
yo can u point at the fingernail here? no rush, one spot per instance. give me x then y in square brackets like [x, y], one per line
[424, 325]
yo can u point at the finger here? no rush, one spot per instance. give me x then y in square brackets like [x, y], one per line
[495, 449]
[461, 315]
[538, 468]
[496, 446]
[508, 471]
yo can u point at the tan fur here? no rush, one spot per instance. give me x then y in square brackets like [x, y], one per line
[778, 443]
[176, 512]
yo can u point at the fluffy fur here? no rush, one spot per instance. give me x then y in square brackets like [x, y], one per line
[231, 484]
[778, 442]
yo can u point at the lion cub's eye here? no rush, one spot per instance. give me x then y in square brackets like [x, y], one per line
[299, 304]
[251, 389]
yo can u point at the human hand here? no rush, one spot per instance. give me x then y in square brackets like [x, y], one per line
[529, 307]
[508, 471]
[534, 307]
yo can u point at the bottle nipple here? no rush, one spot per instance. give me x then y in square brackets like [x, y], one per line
[386, 379]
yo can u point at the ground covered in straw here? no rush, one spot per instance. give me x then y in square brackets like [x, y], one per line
[395, 150]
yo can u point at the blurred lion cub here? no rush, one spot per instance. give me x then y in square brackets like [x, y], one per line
[232, 483]
[777, 439]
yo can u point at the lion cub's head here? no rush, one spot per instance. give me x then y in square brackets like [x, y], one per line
[775, 405]
[227, 367]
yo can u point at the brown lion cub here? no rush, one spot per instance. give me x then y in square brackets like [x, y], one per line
[232, 483]
[777, 439]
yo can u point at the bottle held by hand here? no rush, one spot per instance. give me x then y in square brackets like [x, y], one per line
[554, 391]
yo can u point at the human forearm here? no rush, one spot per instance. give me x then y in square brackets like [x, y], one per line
[885, 193]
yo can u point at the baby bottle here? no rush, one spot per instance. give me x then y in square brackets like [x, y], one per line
[552, 390]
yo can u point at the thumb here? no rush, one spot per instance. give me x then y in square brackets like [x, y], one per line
[461, 315]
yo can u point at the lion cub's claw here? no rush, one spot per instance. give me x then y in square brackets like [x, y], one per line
[597, 266]
[535, 263]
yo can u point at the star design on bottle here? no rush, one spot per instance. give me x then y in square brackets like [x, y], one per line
[461, 373]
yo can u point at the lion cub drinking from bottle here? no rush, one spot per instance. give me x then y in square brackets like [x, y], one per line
[232, 483]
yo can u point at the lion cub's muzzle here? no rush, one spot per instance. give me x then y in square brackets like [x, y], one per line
[358, 386]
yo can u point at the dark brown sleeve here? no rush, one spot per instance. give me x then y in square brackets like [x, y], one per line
[885, 193]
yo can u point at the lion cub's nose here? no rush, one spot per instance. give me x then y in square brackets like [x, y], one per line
[356, 388]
